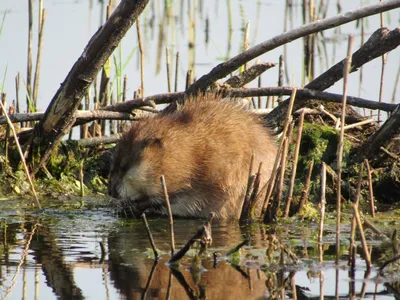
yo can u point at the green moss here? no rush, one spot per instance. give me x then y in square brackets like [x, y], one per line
[319, 143]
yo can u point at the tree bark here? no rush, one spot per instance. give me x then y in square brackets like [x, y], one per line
[59, 115]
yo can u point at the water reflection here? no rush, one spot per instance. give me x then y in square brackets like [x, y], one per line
[61, 257]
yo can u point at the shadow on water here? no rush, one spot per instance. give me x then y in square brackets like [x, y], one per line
[59, 256]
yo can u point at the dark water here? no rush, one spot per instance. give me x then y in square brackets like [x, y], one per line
[63, 259]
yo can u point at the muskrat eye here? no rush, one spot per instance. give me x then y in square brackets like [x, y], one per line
[153, 142]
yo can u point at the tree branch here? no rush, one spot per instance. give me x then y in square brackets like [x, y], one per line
[231, 65]
[59, 115]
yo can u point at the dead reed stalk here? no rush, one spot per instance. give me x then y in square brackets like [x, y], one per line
[42, 18]
[170, 218]
[11, 125]
[362, 236]
[277, 159]
[168, 64]
[384, 60]
[141, 51]
[346, 71]
[295, 160]
[370, 189]
[29, 62]
[176, 71]
[353, 221]
[304, 193]
[281, 75]
[322, 210]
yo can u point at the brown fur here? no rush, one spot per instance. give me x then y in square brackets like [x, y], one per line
[203, 149]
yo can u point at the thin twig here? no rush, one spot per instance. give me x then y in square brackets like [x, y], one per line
[150, 236]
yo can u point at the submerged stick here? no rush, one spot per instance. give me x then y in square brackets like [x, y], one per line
[237, 247]
[150, 236]
[205, 229]
[170, 218]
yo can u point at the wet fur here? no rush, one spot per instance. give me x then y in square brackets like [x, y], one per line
[203, 149]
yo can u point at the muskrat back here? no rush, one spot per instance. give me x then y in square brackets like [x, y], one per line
[203, 149]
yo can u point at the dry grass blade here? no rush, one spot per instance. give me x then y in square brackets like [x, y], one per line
[21, 154]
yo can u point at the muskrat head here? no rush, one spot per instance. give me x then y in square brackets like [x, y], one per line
[134, 176]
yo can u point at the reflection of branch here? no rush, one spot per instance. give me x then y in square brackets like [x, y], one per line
[150, 279]
[59, 276]
[23, 257]
[243, 273]
[182, 281]
[231, 65]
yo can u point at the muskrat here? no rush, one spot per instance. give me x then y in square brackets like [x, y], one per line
[203, 149]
